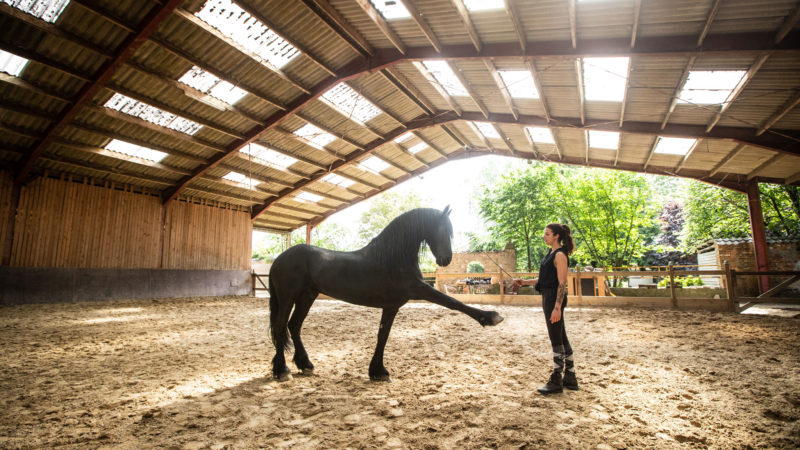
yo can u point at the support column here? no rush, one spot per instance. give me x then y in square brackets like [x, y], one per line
[162, 235]
[759, 233]
[309, 228]
[8, 240]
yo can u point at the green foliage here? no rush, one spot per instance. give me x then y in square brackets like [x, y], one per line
[713, 212]
[609, 213]
[382, 211]
[682, 281]
[333, 237]
[518, 207]
[267, 246]
[475, 267]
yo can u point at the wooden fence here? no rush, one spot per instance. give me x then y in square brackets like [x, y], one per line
[454, 284]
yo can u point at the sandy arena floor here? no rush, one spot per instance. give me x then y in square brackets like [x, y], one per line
[193, 373]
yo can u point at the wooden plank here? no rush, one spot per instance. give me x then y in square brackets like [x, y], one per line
[766, 295]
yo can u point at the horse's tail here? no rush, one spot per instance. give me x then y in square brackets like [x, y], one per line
[274, 320]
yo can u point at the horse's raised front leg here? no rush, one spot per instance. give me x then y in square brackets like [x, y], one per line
[377, 372]
[426, 292]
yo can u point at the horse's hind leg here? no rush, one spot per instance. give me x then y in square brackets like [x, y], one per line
[301, 306]
[279, 316]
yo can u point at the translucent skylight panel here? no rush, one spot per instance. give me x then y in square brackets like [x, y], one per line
[674, 146]
[138, 151]
[540, 135]
[315, 135]
[151, 114]
[604, 79]
[444, 75]
[208, 83]
[47, 10]
[351, 103]
[305, 196]
[268, 156]
[241, 179]
[483, 5]
[487, 129]
[11, 64]
[709, 87]
[403, 137]
[519, 83]
[603, 139]
[337, 180]
[418, 148]
[374, 164]
[247, 31]
[391, 9]
[227, 92]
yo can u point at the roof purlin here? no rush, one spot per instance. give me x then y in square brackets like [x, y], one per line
[128, 48]
[751, 42]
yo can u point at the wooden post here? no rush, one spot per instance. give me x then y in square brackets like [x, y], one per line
[729, 286]
[252, 283]
[288, 241]
[436, 280]
[7, 242]
[502, 288]
[672, 285]
[162, 231]
[759, 233]
[309, 227]
[578, 282]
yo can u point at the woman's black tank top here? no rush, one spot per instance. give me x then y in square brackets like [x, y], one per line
[548, 276]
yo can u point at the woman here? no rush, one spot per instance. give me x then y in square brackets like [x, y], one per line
[552, 283]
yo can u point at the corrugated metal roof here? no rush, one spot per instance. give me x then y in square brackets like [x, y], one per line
[764, 114]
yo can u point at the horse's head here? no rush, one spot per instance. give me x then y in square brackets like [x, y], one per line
[438, 238]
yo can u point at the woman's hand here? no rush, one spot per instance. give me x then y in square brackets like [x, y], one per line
[555, 316]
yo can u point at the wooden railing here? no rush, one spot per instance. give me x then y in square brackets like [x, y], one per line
[602, 278]
[601, 290]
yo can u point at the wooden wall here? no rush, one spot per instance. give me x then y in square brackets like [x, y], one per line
[68, 224]
[206, 237]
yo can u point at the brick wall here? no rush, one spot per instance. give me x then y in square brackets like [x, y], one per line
[506, 258]
[782, 256]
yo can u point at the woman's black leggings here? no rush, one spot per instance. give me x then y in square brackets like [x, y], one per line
[562, 351]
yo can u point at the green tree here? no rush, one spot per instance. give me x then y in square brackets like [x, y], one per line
[333, 237]
[383, 210]
[714, 212]
[518, 207]
[608, 212]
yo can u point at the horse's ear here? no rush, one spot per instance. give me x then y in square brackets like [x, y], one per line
[446, 210]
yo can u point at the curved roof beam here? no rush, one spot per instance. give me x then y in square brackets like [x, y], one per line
[758, 43]
[744, 135]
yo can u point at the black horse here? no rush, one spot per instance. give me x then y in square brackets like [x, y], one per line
[384, 274]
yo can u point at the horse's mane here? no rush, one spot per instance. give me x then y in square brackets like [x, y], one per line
[399, 243]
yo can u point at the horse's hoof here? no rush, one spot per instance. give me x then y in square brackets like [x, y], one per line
[492, 319]
[384, 378]
[496, 318]
[308, 372]
[285, 376]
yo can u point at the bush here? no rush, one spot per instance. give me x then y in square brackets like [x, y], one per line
[475, 267]
[682, 281]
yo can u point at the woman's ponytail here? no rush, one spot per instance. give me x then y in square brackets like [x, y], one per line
[564, 236]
